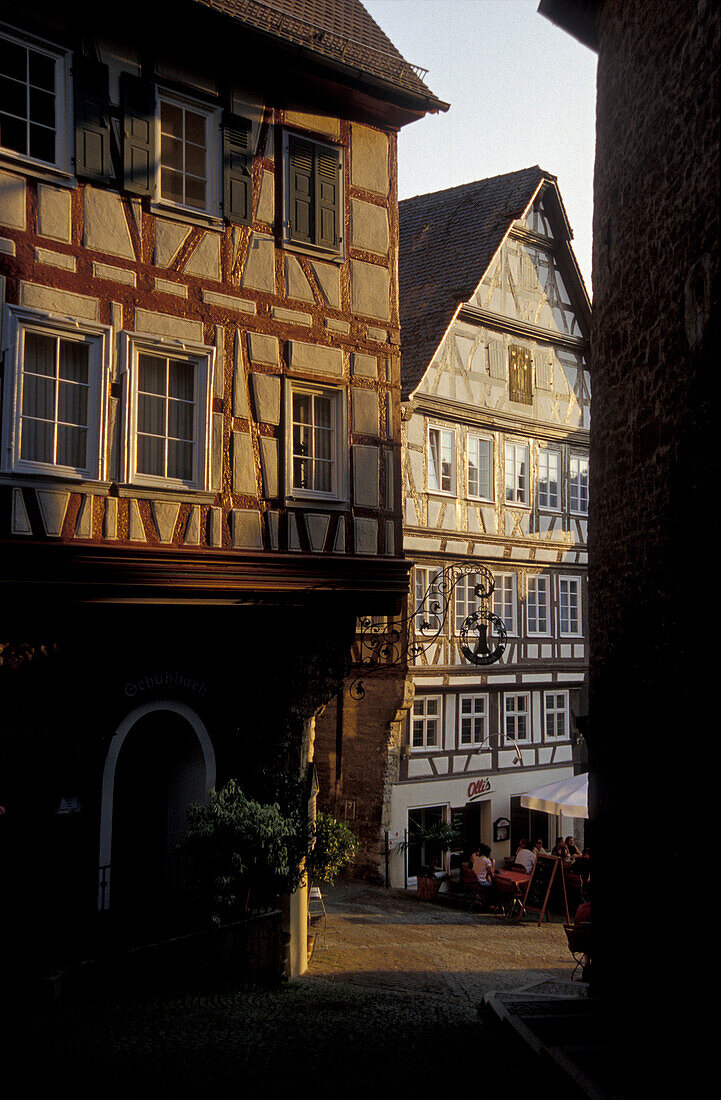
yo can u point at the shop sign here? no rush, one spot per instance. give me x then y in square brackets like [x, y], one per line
[477, 788]
[155, 680]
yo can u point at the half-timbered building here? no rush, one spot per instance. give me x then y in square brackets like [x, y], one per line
[200, 452]
[495, 386]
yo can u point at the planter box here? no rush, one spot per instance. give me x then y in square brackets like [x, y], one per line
[215, 958]
[428, 887]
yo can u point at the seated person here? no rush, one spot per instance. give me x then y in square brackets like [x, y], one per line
[559, 849]
[539, 849]
[573, 850]
[483, 867]
[525, 858]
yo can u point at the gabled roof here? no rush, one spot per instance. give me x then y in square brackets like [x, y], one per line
[341, 31]
[447, 241]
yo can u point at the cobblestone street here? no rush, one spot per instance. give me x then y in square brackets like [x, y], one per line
[390, 1002]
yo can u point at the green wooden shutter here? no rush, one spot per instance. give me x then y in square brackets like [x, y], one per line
[139, 156]
[327, 197]
[237, 170]
[301, 191]
[93, 158]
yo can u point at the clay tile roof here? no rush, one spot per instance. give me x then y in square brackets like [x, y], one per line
[447, 240]
[340, 30]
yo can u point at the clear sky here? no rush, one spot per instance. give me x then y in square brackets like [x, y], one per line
[522, 92]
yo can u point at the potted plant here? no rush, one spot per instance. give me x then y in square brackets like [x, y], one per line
[333, 846]
[240, 853]
[441, 836]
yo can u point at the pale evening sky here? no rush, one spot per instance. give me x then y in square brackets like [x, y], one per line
[521, 91]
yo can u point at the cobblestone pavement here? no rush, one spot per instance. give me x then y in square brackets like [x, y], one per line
[390, 1001]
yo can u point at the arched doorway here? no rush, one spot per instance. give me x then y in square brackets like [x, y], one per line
[159, 761]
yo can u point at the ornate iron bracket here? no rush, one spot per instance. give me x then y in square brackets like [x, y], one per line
[483, 634]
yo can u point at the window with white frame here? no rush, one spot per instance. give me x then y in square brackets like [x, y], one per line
[578, 485]
[479, 459]
[54, 397]
[189, 161]
[33, 101]
[472, 719]
[427, 595]
[466, 598]
[517, 717]
[537, 605]
[167, 422]
[549, 479]
[441, 460]
[516, 473]
[569, 606]
[555, 709]
[316, 466]
[426, 722]
[504, 600]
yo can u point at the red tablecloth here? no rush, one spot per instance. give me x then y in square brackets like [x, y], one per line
[517, 877]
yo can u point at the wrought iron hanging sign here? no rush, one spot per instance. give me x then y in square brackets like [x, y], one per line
[482, 633]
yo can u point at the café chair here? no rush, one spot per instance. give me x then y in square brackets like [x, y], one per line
[579, 944]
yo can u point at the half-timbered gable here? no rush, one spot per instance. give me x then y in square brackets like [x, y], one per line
[200, 448]
[496, 391]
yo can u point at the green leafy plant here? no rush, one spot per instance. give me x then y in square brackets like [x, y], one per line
[238, 850]
[334, 846]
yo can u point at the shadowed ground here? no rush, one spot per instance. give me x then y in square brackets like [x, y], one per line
[390, 1001]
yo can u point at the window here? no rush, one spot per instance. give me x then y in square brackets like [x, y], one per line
[520, 375]
[549, 479]
[569, 605]
[466, 598]
[33, 98]
[472, 719]
[428, 593]
[313, 194]
[54, 395]
[316, 467]
[424, 853]
[578, 485]
[441, 460]
[426, 722]
[504, 600]
[555, 706]
[480, 467]
[167, 414]
[189, 159]
[517, 490]
[537, 605]
[517, 717]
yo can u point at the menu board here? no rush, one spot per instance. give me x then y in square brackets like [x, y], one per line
[538, 890]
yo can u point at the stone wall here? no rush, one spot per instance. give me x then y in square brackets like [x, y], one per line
[655, 353]
[357, 747]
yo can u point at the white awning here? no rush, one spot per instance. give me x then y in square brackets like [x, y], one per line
[566, 796]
